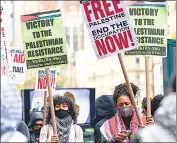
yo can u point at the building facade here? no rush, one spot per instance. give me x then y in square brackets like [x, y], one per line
[84, 69]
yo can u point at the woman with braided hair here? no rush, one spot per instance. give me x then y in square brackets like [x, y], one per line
[66, 119]
[124, 125]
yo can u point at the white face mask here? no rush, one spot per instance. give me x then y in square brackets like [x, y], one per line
[125, 111]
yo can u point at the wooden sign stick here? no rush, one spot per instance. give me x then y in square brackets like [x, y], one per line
[129, 88]
[45, 104]
[148, 87]
[51, 103]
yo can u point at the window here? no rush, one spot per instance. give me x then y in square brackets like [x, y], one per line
[68, 36]
[75, 38]
[137, 61]
[138, 79]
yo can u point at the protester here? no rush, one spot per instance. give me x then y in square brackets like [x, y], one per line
[35, 125]
[11, 112]
[164, 129]
[105, 109]
[173, 85]
[156, 101]
[71, 97]
[124, 124]
[144, 106]
[66, 119]
[23, 128]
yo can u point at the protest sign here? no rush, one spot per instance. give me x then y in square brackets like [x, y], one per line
[150, 26]
[17, 69]
[109, 27]
[41, 80]
[44, 39]
[4, 45]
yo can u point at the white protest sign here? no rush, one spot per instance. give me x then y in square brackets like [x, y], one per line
[109, 27]
[41, 79]
[17, 69]
[4, 44]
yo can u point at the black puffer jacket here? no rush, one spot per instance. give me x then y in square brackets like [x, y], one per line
[34, 135]
[105, 109]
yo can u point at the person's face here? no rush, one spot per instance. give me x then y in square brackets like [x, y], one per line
[61, 106]
[144, 110]
[124, 101]
[38, 125]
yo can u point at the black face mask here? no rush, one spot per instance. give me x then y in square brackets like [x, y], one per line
[61, 113]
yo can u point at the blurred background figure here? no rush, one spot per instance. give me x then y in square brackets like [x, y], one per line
[23, 128]
[11, 113]
[105, 109]
[164, 129]
[71, 97]
[144, 106]
[155, 103]
[35, 125]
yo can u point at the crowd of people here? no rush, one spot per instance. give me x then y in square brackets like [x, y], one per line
[115, 120]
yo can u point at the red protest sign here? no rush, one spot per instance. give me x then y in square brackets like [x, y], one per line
[109, 27]
[41, 80]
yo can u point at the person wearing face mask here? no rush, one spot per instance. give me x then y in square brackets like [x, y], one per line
[164, 129]
[66, 123]
[35, 126]
[124, 125]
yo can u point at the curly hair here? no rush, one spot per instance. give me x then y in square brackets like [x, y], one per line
[122, 90]
[63, 100]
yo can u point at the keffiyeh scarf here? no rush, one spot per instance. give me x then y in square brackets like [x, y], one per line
[63, 128]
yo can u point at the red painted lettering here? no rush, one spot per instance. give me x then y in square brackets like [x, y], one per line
[42, 83]
[116, 6]
[121, 41]
[106, 7]
[101, 47]
[97, 9]
[52, 80]
[110, 44]
[87, 11]
[100, 9]
[19, 58]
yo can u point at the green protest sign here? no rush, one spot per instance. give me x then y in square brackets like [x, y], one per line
[44, 39]
[150, 26]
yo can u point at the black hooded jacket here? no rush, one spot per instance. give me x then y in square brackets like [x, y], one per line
[36, 116]
[105, 109]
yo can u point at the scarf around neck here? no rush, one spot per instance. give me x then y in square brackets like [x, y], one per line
[116, 124]
[63, 128]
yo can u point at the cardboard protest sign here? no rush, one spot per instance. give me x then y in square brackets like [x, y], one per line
[17, 69]
[44, 39]
[41, 80]
[4, 45]
[150, 26]
[109, 27]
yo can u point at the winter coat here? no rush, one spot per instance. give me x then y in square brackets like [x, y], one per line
[76, 133]
[23, 128]
[36, 116]
[105, 109]
[11, 112]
